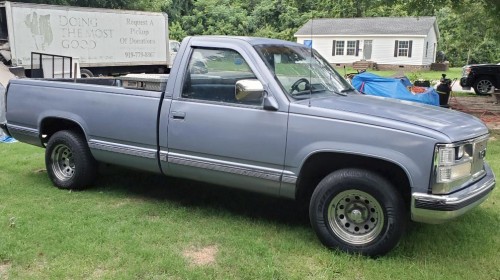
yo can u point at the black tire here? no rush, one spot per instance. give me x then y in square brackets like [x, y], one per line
[68, 160]
[357, 211]
[86, 73]
[483, 86]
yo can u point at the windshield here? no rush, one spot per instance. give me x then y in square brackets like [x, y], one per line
[300, 76]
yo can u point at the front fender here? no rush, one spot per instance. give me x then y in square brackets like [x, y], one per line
[308, 136]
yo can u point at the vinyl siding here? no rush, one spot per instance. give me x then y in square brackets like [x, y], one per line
[382, 49]
[431, 52]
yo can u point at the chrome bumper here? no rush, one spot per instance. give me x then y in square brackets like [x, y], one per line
[436, 209]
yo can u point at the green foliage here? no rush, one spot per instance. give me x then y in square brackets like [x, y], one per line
[176, 32]
[216, 17]
[465, 38]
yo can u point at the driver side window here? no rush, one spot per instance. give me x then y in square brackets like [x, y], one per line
[212, 75]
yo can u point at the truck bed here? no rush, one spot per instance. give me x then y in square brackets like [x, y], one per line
[92, 103]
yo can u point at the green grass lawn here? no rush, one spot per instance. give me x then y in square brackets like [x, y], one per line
[133, 225]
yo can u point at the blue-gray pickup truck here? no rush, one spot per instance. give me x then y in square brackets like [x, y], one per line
[266, 116]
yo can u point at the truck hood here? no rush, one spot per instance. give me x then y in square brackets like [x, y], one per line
[403, 115]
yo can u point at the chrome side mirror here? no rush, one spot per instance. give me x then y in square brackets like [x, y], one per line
[250, 90]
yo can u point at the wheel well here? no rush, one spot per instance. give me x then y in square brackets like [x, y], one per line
[319, 165]
[49, 126]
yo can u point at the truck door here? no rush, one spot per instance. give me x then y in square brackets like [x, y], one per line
[214, 137]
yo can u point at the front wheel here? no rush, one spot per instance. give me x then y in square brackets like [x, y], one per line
[68, 160]
[357, 211]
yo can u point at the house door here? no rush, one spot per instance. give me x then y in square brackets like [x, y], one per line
[367, 49]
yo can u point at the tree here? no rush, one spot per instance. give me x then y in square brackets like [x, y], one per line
[216, 17]
[464, 38]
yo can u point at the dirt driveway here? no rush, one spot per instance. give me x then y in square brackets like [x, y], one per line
[484, 107]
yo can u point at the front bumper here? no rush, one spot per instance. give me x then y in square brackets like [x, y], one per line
[436, 209]
[466, 82]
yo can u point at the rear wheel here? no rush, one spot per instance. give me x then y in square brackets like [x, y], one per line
[68, 160]
[86, 73]
[357, 211]
[483, 86]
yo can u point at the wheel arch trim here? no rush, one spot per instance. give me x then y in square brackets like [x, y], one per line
[65, 116]
[402, 162]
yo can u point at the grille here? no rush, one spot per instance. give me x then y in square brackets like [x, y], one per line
[479, 152]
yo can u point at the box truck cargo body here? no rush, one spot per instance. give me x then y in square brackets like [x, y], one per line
[104, 41]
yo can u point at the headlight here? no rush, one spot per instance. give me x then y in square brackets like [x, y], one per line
[458, 164]
[446, 156]
[466, 72]
[460, 152]
[446, 174]
[452, 163]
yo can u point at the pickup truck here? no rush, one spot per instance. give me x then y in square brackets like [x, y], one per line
[484, 78]
[272, 117]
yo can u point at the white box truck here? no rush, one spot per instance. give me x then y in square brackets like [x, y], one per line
[104, 41]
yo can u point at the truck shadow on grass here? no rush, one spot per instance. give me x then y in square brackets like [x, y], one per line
[191, 193]
[472, 233]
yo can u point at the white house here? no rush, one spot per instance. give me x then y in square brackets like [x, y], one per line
[390, 42]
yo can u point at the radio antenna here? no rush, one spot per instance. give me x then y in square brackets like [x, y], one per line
[310, 60]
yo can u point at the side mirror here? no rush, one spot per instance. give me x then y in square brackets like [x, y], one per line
[270, 103]
[249, 91]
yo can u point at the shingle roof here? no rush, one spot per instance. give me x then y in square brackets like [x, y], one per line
[369, 26]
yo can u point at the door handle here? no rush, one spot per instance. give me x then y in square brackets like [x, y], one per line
[178, 115]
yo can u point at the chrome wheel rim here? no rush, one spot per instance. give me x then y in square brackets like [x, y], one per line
[63, 164]
[484, 86]
[355, 217]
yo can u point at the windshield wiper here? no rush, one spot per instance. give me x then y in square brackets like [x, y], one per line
[309, 92]
[341, 93]
[347, 90]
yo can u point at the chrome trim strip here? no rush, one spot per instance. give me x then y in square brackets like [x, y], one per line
[288, 185]
[164, 156]
[23, 130]
[122, 149]
[288, 179]
[227, 167]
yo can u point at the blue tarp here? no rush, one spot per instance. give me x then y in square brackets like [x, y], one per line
[7, 139]
[372, 84]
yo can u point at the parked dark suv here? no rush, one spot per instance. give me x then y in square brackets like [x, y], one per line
[482, 77]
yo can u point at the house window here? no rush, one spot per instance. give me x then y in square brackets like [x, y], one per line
[403, 48]
[339, 48]
[426, 48]
[351, 48]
